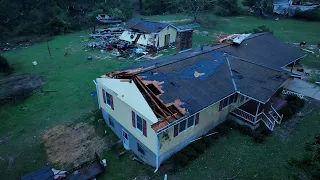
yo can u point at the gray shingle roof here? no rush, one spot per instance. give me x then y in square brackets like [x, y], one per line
[266, 50]
[145, 26]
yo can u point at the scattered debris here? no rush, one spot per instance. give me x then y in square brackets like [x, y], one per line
[35, 63]
[197, 74]
[107, 19]
[307, 50]
[233, 38]
[234, 176]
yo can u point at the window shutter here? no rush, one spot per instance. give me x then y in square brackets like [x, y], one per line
[144, 127]
[104, 96]
[235, 98]
[220, 105]
[133, 119]
[197, 119]
[175, 133]
[111, 101]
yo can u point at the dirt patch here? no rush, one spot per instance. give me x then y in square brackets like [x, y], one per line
[73, 145]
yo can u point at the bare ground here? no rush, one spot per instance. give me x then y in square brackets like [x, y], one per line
[73, 145]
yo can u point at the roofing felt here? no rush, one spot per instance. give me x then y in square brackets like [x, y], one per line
[266, 50]
[145, 26]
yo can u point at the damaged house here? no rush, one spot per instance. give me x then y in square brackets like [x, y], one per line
[147, 33]
[159, 107]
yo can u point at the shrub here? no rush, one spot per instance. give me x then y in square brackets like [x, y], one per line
[207, 141]
[294, 104]
[232, 124]
[318, 44]
[190, 152]
[258, 137]
[199, 146]
[181, 159]
[227, 8]
[260, 29]
[311, 15]
[223, 129]
[245, 130]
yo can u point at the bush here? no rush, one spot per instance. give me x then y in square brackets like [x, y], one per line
[181, 159]
[294, 105]
[223, 129]
[311, 15]
[199, 146]
[232, 124]
[245, 130]
[207, 141]
[260, 29]
[190, 152]
[258, 137]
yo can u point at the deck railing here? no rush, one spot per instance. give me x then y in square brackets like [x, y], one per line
[268, 122]
[245, 115]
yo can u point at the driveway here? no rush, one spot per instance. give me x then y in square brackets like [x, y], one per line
[304, 88]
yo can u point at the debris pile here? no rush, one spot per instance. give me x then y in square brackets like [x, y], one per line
[231, 39]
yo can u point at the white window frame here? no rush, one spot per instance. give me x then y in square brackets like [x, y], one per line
[136, 121]
[186, 126]
[108, 97]
[144, 151]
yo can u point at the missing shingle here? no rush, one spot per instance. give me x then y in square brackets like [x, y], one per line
[154, 89]
[173, 109]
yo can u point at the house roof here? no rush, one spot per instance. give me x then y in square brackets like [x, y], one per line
[266, 50]
[145, 26]
[196, 79]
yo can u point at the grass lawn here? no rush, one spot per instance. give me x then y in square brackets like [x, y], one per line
[234, 152]
[70, 73]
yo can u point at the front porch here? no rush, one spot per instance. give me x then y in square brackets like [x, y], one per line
[253, 112]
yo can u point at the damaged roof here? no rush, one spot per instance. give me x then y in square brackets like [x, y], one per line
[196, 79]
[145, 26]
[266, 50]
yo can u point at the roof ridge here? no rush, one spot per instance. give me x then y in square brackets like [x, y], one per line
[245, 60]
[176, 61]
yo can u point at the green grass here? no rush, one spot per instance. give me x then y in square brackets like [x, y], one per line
[234, 152]
[72, 77]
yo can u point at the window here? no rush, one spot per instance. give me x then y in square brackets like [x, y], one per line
[182, 126]
[139, 123]
[186, 124]
[190, 121]
[107, 99]
[140, 149]
[111, 122]
[227, 101]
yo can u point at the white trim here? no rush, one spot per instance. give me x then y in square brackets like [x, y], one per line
[136, 121]
[251, 97]
[233, 81]
[294, 61]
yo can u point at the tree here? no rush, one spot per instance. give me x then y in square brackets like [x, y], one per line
[195, 7]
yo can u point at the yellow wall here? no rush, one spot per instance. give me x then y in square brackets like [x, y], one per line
[207, 117]
[173, 35]
[122, 113]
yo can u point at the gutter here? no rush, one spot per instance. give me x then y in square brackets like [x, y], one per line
[294, 61]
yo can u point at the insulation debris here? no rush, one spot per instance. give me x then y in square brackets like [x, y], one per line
[197, 74]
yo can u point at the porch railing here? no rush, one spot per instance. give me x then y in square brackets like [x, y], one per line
[279, 117]
[245, 115]
[267, 121]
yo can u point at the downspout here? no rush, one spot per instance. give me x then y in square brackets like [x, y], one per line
[157, 153]
[95, 82]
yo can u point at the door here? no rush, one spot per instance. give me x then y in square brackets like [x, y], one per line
[125, 139]
[167, 40]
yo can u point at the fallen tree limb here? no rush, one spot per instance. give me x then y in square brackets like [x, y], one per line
[234, 176]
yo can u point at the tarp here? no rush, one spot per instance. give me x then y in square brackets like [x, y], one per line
[40, 174]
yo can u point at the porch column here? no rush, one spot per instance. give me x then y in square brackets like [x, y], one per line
[258, 107]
